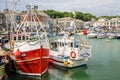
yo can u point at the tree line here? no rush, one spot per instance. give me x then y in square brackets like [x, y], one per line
[79, 15]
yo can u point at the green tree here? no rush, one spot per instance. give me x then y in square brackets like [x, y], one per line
[79, 15]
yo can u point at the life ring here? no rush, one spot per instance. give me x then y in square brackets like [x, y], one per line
[73, 54]
[11, 44]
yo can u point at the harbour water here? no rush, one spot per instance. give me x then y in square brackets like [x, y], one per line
[103, 65]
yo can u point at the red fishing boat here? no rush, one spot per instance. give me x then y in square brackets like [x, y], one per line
[28, 52]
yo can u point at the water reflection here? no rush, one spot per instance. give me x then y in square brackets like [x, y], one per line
[5, 77]
[103, 65]
[15, 76]
[79, 73]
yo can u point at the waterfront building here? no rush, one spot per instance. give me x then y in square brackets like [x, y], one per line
[65, 22]
[29, 21]
[10, 18]
[2, 22]
[100, 22]
[113, 23]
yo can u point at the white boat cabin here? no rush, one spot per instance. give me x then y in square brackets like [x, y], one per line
[20, 37]
[65, 43]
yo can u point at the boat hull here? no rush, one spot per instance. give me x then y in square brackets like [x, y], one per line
[100, 36]
[91, 36]
[111, 36]
[70, 57]
[118, 37]
[2, 68]
[33, 63]
[76, 63]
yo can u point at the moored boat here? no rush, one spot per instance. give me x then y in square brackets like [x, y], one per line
[28, 51]
[101, 35]
[118, 36]
[91, 35]
[69, 51]
[111, 35]
[65, 54]
[3, 60]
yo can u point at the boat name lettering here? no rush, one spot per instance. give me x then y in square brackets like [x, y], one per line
[85, 54]
[23, 55]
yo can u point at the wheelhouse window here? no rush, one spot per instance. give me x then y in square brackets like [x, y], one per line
[19, 37]
[71, 44]
[27, 38]
[66, 43]
[61, 44]
[23, 37]
[14, 38]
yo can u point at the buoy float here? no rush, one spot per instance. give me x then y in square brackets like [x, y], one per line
[107, 40]
[6, 61]
[71, 63]
[50, 61]
[65, 63]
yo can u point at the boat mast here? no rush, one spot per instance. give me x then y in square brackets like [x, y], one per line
[111, 25]
[49, 32]
[13, 14]
[6, 4]
[74, 26]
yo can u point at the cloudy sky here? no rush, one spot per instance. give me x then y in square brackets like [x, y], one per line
[95, 7]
